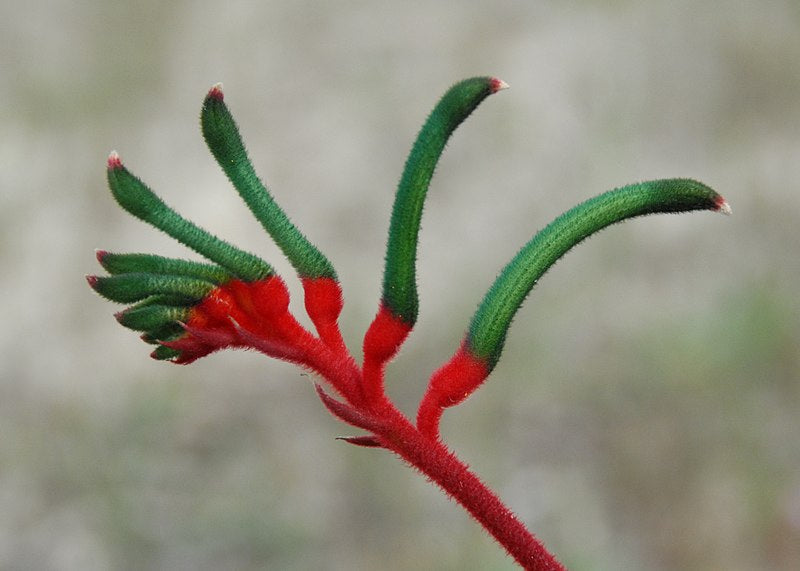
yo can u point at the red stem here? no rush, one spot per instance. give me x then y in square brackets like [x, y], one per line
[369, 408]
[433, 459]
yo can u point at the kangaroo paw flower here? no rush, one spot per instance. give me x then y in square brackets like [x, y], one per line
[135, 197]
[485, 338]
[399, 305]
[189, 309]
[399, 277]
[323, 295]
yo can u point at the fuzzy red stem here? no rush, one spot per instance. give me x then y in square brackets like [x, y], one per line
[433, 459]
[450, 385]
[340, 370]
[392, 430]
[381, 342]
[257, 314]
[323, 301]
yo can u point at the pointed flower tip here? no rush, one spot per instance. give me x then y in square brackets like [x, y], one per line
[100, 255]
[92, 281]
[216, 92]
[722, 206]
[365, 441]
[114, 162]
[497, 84]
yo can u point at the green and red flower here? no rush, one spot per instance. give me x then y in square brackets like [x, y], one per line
[189, 309]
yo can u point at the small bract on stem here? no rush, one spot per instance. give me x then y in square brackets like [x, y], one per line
[189, 309]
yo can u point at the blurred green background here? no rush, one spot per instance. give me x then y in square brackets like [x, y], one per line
[646, 414]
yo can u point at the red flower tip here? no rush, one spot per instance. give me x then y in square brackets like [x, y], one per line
[323, 299]
[114, 162]
[92, 280]
[100, 255]
[384, 336]
[449, 386]
[216, 92]
[497, 84]
[721, 205]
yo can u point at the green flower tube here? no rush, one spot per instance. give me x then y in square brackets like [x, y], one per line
[490, 324]
[399, 278]
[225, 142]
[136, 198]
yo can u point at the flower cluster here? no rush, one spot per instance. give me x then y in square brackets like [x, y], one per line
[189, 309]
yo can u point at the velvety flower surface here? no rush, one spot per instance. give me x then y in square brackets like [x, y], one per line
[234, 299]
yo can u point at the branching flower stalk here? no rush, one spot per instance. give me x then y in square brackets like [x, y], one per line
[189, 309]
